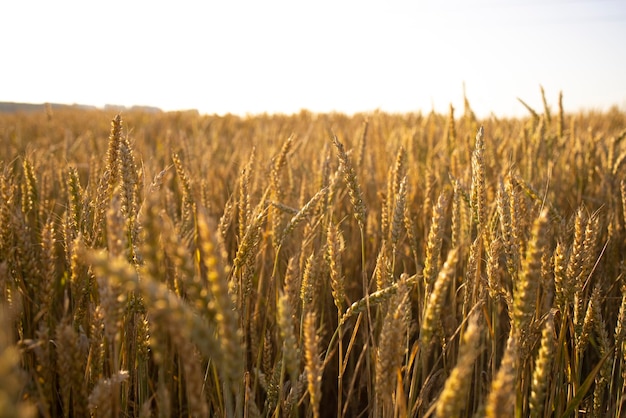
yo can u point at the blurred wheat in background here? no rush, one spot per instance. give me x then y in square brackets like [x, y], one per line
[376, 265]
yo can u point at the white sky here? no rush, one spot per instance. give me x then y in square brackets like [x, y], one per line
[281, 56]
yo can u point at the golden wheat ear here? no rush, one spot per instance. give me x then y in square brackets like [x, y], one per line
[354, 188]
[335, 247]
[525, 293]
[453, 398]
[543, 369]
[313, 364]
[431, 318]
[501, 398]
[434, 242]
[391, 347]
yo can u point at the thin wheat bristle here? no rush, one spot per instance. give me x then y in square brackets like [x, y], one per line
[532, 111]
[302, 214]
[375, 299]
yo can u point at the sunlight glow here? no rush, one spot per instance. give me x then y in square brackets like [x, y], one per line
[279, 56]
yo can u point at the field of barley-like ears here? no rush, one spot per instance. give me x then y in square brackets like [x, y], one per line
[312, 265]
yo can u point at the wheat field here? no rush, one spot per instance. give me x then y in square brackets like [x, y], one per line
[313, 265]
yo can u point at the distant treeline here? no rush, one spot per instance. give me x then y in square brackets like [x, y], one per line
[9, 107]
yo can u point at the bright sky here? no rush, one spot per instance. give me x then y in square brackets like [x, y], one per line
[250, 56]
